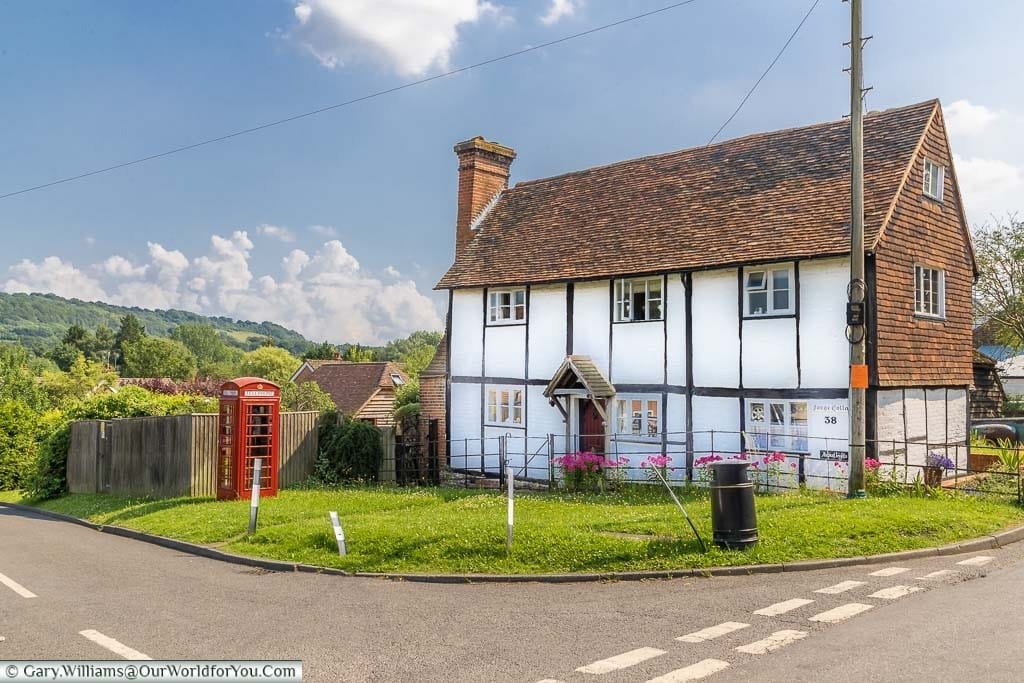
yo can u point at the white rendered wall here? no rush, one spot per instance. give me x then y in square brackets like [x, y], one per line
[547, 330]
[824, 352]
[466, 411]
[590, 322]
[467, 332]
[957, 416]
[638, 353]
[917, 429]
[675, 318]
[936, 423]
[889, 424]
[828, 426]
[505, 351]
[769, 353]
[721, 415]
[716, 342]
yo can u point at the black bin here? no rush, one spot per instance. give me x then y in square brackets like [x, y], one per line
[733, 518]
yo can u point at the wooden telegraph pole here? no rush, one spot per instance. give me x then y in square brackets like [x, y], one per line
[856, 307]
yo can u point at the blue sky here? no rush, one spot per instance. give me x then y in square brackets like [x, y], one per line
[339, 225]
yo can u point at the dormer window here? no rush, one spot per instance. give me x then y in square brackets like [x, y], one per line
[396, 379]
[934, 175]
[769, 291]
[506, 306]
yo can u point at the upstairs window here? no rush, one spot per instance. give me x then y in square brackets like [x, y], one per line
[778, 425]
[507, 306]
[934, 175]
[638, 416]
[929, 292]
[638, 299]
[769, 291]
[505, 406]
[396, 379]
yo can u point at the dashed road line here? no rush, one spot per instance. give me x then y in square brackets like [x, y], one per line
[840, 587]
[890, 571]
[117, 647]
[895, 592]
[17, 587]
[841, 613]
[935, 576]
[783, 607]
[976, 561]
[694, 672]
[712, 632]
[772, 642]
[626, 659]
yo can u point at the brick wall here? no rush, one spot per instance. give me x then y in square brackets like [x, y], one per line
[432, 395]
[483, 173]
[915, 351]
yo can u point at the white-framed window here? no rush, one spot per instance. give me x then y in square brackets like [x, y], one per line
[778, 425]
[638, 415]
[505, 406]
[929, 291]
[396, 379]
[769, 291]
[638, 299]
[934, 176]
[506, 306]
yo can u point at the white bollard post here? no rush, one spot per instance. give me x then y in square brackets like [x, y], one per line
[254, 502]
[511, 509]
[339, 534]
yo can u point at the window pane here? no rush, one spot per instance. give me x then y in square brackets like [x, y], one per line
[654, 309]
[504, 406]
[620, 412]
[637, 414]
[758, 303]
[757, 412]
[654, 288]
[520, 297]
[652, 418]
[780, 300]
[639, 301]
[780, 279]
[798, 413]
[756, 280]
[778, 413]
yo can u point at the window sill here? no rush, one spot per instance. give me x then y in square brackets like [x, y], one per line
[637, 322]
[511, 324]
[496, 425]
[930, 318]
[770, 316]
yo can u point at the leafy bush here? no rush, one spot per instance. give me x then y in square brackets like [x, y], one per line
[349, 451]
[305, 396]
[19, 432]
[49, 477]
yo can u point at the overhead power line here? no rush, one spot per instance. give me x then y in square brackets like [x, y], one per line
[363, 98]
[758, 82]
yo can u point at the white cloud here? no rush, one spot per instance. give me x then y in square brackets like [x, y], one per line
[53, 275]
[410, 36]
[560, 9]
[324, 294]
[989, 186]
[324, 230]
[964, 118]
[277, 232]
[392, 271]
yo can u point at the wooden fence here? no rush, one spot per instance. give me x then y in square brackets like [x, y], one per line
[173, 455]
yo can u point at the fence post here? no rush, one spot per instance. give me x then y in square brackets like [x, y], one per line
[502, 462]
[551, 462]
[511, 509]
[254, 502]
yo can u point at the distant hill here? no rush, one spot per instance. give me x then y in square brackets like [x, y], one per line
[40, 321]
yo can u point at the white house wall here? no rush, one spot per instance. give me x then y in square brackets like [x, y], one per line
[467, 332]
[769, 353]
[505, 351]
[547, 330]
[824, 351]
[718, 415]
[675, 315]
[464, 423]
[638, 353]
[716, 341]
[590, 321]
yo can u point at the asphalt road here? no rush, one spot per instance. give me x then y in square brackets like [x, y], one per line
[960, 625]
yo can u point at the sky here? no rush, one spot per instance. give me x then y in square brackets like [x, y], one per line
[339, 225]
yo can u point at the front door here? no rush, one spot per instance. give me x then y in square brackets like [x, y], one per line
[591, 428]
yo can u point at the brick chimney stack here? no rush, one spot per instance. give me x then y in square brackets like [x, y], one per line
[483, 173]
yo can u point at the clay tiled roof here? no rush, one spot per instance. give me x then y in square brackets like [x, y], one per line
[764, 197]
[352, 384]
[580, 371]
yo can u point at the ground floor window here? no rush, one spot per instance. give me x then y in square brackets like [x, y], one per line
[638, 415]
[505, 406]
[778, 425]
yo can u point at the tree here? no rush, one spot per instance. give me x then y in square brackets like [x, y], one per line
[78, 337]
[17, 379]
[156, 357]
[81, 379]
[104, 340]
[323, 351]
[213, 357]
[999, 291]
[64, 355]
[269, 362]
[305, 396]
[355, 353]
[131, 330]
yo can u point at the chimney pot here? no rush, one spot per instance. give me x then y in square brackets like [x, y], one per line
[483, 173]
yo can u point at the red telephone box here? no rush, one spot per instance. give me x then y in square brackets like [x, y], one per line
[248, 428]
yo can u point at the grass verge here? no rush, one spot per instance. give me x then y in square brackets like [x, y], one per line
[449, 530]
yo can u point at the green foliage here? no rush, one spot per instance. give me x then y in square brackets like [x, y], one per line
[19, 433]
[63, 355]
[305, 396]
[49, 477]
[349, 451]
[999, 290]
[130, 330]
[1009, 456]
[81, 379]
[18, 380]
[157, 357]
[414, 352]
[322, 351]
[407, 393]
[269, 362]
[355, 353]
[214, 358]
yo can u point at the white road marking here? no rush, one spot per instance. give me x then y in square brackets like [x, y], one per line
[841, 613]
[895, 592]
[840, 587]
[16, 587]
[976, 561]
[712, 632]
[694, 672]
[626, 659]
[772, 642]
[890, 571]
[783, 607]
[935, 576]
[118, 648]
[550, 680]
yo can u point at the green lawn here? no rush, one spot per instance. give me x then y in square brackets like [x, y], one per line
[446, 530]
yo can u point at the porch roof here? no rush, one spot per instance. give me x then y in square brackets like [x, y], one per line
[580, 372]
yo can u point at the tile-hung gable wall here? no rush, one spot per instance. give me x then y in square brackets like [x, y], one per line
[706, 361]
